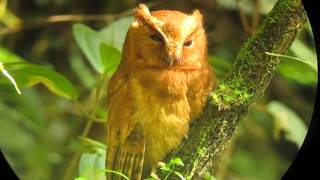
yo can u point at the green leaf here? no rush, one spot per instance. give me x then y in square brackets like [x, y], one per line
[114, 34]
[150, 178]
[110, 57]
[28, 75]
[11, 79]
[89, 41]
[15, 125]
[297, 69]
[82, 70]
[288, 121]
[81, 178]
[89, 165]
[179, 175]
[8, 57]
[102, 48]
[304, 53]
[176, 161]
[165, 168]
[303, 67]
[297, 72]
[311, 64]
[208, 176]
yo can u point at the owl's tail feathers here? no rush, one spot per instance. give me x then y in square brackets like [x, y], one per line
[127, 159]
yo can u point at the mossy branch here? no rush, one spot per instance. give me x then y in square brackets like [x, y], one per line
[247, 80]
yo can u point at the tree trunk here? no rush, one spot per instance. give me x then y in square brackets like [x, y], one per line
[247, 80]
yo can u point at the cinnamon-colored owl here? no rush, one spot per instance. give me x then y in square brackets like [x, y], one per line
[161, 84]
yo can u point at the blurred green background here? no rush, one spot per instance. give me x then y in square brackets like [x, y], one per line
[56, 128]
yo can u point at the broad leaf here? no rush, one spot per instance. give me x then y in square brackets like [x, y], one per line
[9, 77]
[311, 64]
[288, 121]
[28, 75]
[15, 125]
[177, 161]
[89, 41]
[8, 57]
[114, 34]
[297, 69]
[165, 168]
[81, 178]
[102, 48]
[89, 165]
[297, 72]
[110, 57]
[83, 72]
[179, 175]
[303, 52]
[302, 68]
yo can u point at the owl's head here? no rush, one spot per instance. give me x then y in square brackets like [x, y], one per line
[166, 39]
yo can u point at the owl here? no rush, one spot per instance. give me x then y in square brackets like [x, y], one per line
[161, 84]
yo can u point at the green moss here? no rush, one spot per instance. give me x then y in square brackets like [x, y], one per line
[233, 93]
[201, 151]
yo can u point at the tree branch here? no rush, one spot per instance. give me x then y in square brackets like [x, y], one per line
[247, 80]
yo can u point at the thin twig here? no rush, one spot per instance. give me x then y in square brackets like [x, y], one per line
[84, 113]
[249, 28]
[243, 18]
[36, 23]
[61, 19]
[256, 15]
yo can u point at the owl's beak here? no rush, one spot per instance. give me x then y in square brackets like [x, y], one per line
[174, 57]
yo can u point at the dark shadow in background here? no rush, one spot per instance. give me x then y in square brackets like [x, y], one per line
[6, 171]
[306, 162]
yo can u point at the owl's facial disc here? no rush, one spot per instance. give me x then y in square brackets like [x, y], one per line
[173, 31]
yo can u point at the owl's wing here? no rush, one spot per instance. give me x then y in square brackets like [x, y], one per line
[127, 158]
[125, 140]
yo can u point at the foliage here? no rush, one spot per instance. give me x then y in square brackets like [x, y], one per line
[10, 78]
[27, 75]
[102, 48]
[294, 130]
[169, 168]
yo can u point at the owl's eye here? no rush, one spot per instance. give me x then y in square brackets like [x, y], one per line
[188, 43]
[156, 37]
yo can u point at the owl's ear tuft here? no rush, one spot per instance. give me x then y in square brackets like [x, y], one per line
[142, 14]
[145, 19]
[197, 15]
